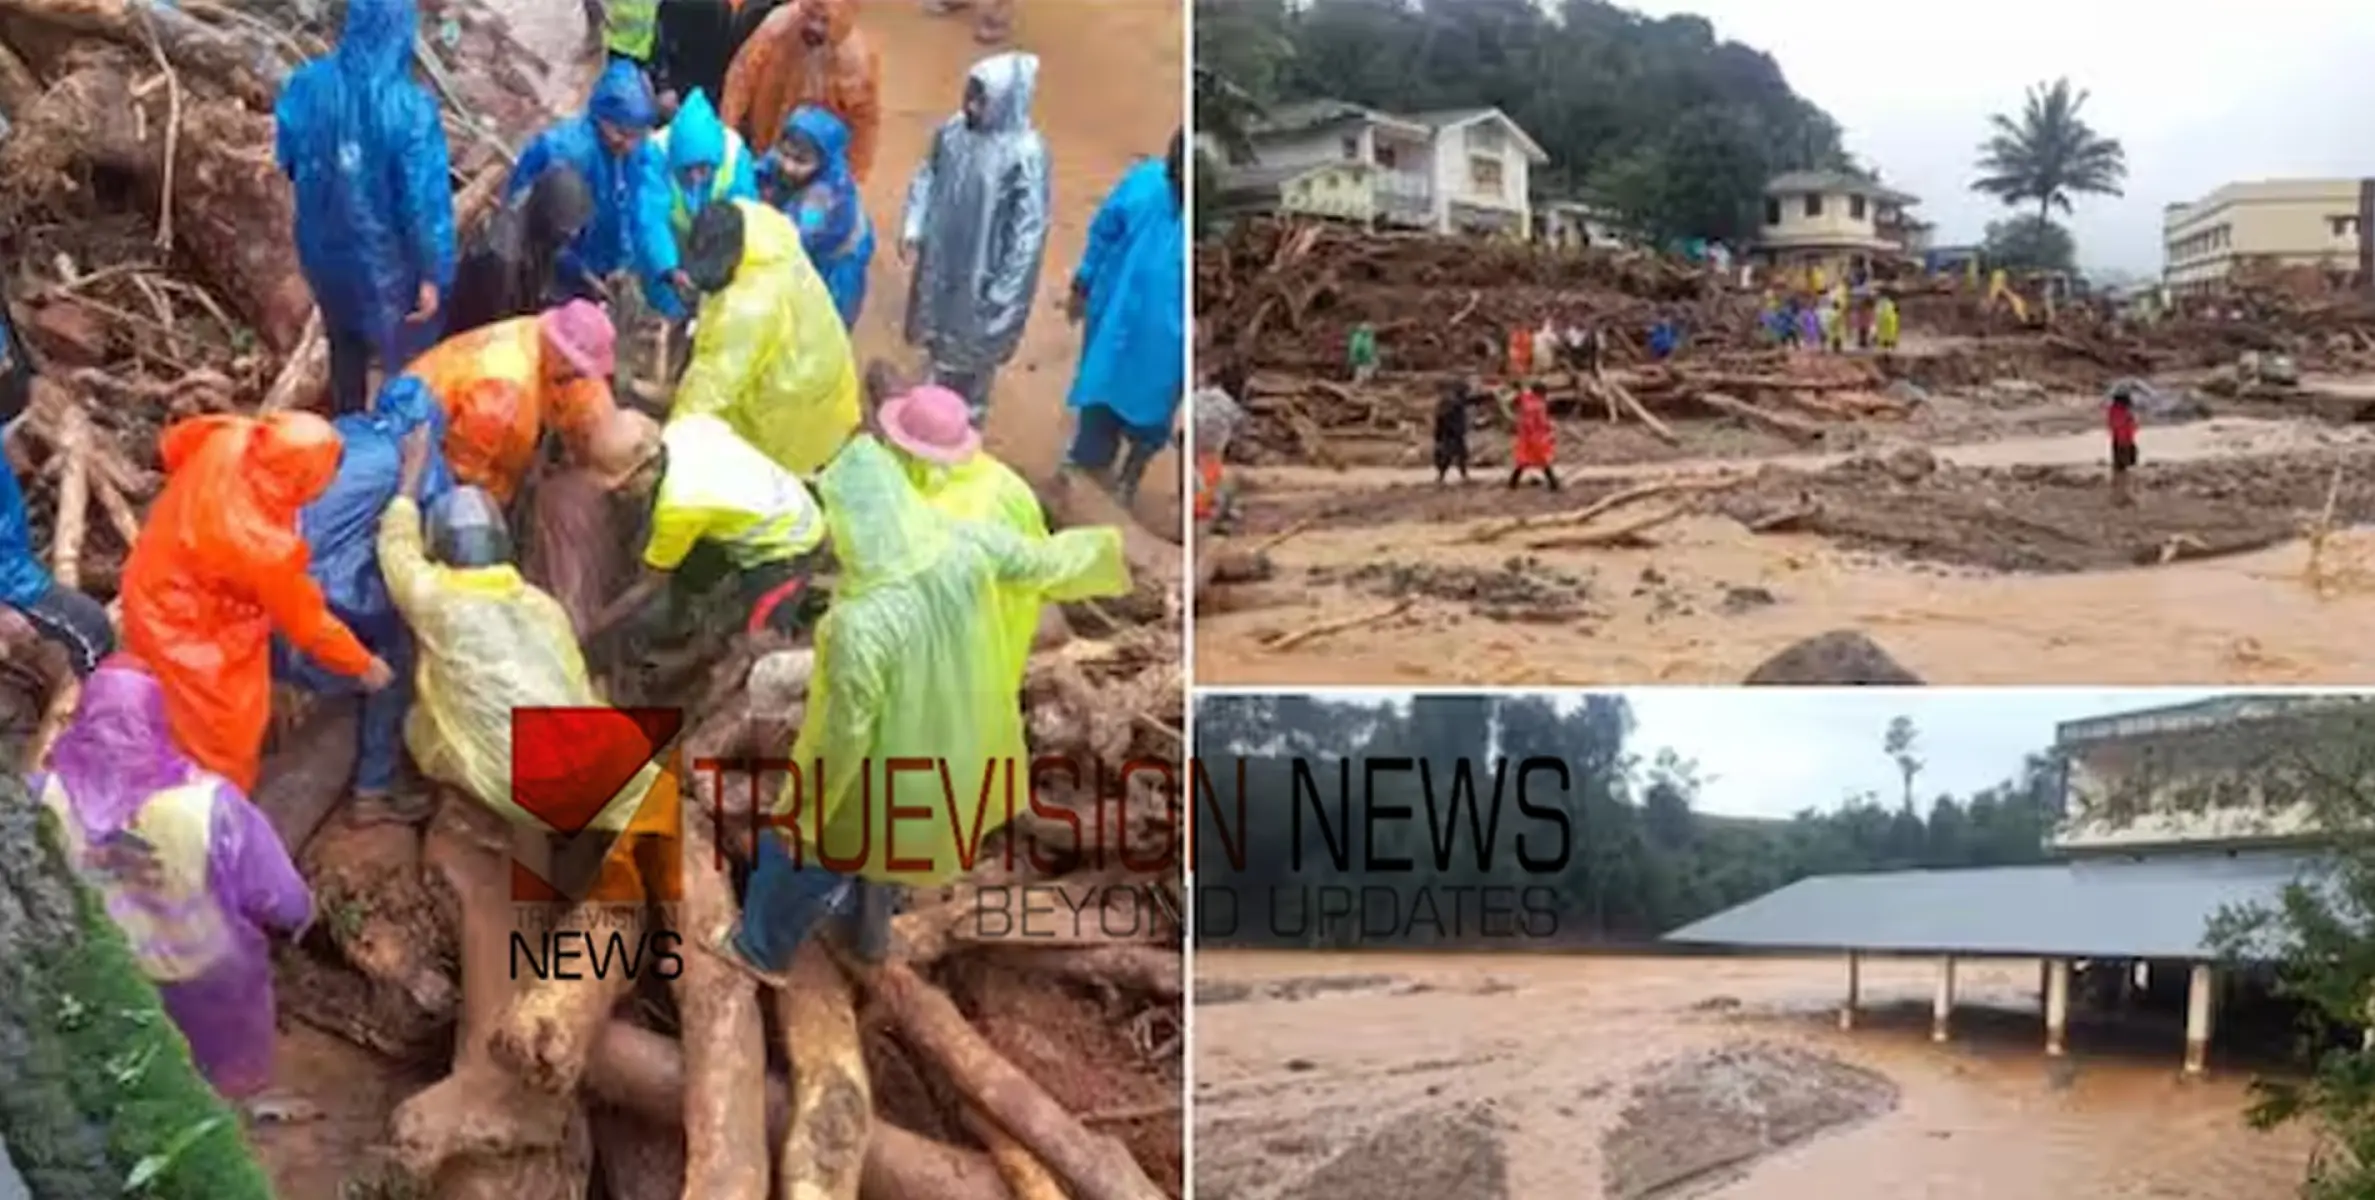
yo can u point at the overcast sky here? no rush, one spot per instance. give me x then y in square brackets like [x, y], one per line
[2200, 93]
[1770, 753]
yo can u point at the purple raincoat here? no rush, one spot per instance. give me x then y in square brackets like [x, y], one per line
[110, 764]
[1810, 327]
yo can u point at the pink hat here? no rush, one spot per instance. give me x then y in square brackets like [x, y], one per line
[932, 424]
[583, 334]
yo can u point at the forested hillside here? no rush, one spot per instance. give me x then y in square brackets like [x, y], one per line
[1638, 862]
[1654, 118]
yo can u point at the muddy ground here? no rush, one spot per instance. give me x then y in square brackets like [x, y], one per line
[1977, 540]
[1384, 1076]
[1109, 93]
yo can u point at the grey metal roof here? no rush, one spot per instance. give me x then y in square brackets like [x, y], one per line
[2154, 908]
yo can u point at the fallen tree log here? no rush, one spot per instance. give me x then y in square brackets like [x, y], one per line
[306, 775]
[824, 1149]
[1096, 1166]
[481, 1133]
[643, 1073]
[725, 1053]
[246, 66]
[1797, 429]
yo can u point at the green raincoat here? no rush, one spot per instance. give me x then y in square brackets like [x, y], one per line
[910, 665]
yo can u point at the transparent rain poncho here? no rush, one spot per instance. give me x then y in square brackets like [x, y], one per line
[487, 642]
[983, 489]
[909, 664]
[188, 868]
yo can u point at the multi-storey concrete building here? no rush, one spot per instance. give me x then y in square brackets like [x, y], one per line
[2287, 222]
[1836, 222]
[1464, 170]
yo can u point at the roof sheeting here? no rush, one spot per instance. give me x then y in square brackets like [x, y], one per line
[1793, 183]
[2087, 908]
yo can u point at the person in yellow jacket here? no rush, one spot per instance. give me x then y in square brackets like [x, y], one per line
[719, 509]
[908, 666]
[770, 355]
[487, 641]
[932, 433]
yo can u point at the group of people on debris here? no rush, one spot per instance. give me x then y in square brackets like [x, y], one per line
[371, 552]
[1830, 322]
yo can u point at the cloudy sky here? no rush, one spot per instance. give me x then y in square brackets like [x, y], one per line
[1770, 753]
[2200, 93]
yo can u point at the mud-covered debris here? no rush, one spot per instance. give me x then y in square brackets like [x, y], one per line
[1523, 589]
[1841, 657]
[1698, 1121]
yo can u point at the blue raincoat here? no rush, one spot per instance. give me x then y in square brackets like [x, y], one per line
[830, 212]
[365, 147]
[696, 138]
[1134, 273]
[631, 194]
[340, 527]
[23, 579]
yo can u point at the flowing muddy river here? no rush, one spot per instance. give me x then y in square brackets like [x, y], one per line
[1985, 562]
[1385, 1076]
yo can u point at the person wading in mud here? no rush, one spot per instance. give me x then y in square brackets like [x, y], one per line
[2120, 416]
[1536, 444]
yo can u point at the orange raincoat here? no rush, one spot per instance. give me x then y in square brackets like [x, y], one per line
[775, 72]
[1521, 353]
[219, 566]
[491, 383]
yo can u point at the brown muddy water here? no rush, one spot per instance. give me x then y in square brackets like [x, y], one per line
[2008, 566]
[1382, 1076]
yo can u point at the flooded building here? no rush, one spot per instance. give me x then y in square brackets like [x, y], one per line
[2166, 817]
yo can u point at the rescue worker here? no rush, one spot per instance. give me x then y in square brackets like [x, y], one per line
[707, 163]
[927, 431]
[572, 549]
[1451, 431]
[720, 511]
[610, 146]
[1130, 293]
[1217, 418]
[770, 356]
[993, 20]
[808, 52]
[975, 230]
[365, 147]
[630, 31]
[1521, 352]
[488, 642]
[697, 43]
[341, 530]
[219, 565]
[1884, 322]
[514, 266]
[1665, 338]
[62, 616]
[807, 178]
[909, 664]
[503, 385]
[1536, 445]
[188, 868]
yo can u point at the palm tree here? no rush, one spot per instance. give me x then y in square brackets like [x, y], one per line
[2049, 154]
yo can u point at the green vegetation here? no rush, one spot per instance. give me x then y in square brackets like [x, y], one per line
[1673, 131]
[101, 1099]
[1643, 862]
[2045, 156]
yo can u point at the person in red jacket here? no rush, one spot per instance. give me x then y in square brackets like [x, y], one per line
[219, 566]
[1536, 443]
[2120, 416]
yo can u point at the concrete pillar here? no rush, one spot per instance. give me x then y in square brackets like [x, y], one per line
[1855, 973]
[1942, 1007]
[2198, 994]
[2057, 1006]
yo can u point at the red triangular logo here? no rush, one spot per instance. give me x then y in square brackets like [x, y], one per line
[567, 763]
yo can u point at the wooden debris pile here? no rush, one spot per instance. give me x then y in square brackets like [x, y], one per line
[1287, 295]
[146, 227]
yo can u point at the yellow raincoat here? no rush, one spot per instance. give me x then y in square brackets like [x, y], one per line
[488, 642]
[720, 488]
[770, 355]
[983, 489]
[909, 665]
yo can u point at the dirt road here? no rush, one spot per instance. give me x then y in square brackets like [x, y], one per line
[1379, 1077]
[1110, 89]
[1996, 557]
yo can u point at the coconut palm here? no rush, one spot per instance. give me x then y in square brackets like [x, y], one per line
[2049, 154]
